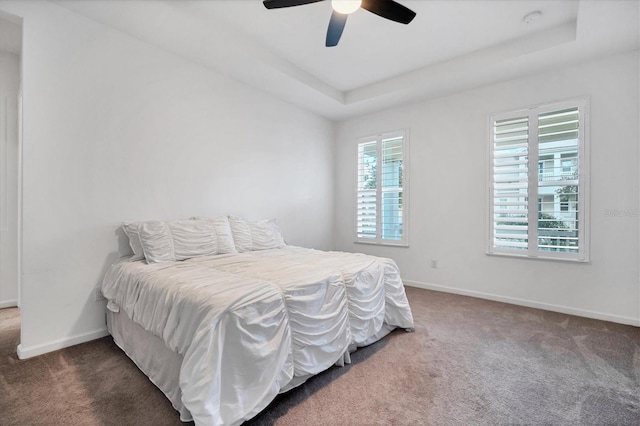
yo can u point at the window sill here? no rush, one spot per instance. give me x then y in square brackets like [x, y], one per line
[387, 244]
[546, 258]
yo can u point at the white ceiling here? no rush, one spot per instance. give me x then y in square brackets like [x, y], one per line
[374, 49]
[449, 46]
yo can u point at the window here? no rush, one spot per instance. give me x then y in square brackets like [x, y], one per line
[540, 154]
[381, 200]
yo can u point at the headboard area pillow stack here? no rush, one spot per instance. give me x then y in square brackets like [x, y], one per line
[255, 235]
[158, 241]
[223, 232]
[175, 240]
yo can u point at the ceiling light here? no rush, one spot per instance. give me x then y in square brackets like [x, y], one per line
[346, 6]
[531, 17]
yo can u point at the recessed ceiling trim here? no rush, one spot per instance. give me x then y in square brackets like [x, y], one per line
[480, 59]
[357, 78]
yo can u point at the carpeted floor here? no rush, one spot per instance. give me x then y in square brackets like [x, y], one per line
[470, 361]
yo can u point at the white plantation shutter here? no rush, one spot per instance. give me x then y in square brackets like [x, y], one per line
[510, 183]
[558, 222]
[367, 205]
[381, 197]
[538, 182]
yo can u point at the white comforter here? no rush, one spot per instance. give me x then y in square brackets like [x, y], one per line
[248, 324]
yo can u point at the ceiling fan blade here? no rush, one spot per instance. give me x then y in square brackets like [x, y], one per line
[276, 4]
[389, 9]
[336, 26]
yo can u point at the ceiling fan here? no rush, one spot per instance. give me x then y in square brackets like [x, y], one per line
[388, 9]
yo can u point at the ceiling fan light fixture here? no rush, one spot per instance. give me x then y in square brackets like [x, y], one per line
[346, 6]
[387, 9]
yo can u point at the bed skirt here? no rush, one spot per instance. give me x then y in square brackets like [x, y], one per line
[159, 363]
[162, 365]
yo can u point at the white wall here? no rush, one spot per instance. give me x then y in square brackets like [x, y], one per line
[116, 129]
[448, 142]
[9, 86]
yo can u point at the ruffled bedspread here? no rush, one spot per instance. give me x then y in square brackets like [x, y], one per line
[248, 325]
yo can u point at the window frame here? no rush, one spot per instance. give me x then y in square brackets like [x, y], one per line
[583, 204]
[378, 138]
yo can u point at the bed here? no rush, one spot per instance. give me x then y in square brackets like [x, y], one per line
[222, 315]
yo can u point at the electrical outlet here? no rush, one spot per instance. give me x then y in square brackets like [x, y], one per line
[434, 263]
[98, 294]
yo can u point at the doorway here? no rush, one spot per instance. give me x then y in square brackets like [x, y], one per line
[10, 153]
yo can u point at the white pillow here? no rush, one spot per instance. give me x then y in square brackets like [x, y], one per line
[177, 240]
[223, 233]
[131, 230]
[241, 234]
[193, 238]
[156, 242]
[265, 234]
[255, 235]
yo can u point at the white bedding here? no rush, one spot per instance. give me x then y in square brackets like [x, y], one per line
[248, 324]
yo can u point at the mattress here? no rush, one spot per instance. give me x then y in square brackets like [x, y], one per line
[244, 327]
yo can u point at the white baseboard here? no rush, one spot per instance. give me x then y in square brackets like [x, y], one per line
[8, 303]
[528, 303]
[31, 351]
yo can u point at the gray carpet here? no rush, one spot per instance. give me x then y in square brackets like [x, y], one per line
[470, 361]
